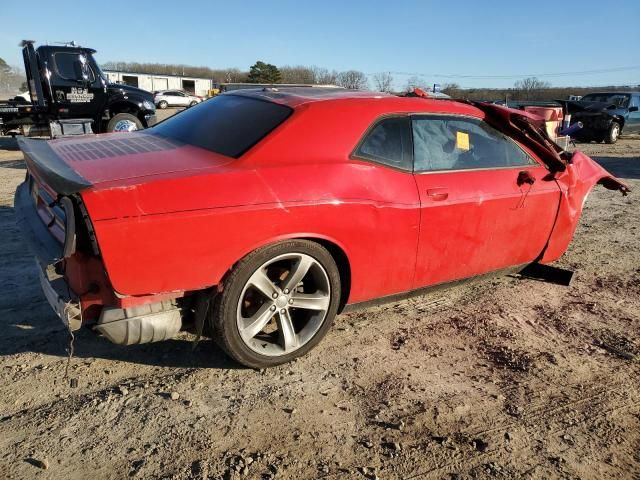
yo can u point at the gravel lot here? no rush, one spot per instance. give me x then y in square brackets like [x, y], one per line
[508, 378]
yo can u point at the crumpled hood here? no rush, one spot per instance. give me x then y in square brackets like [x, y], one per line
[577, 107]
[70, 165]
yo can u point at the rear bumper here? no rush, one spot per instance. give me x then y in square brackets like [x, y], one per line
[47, 251]
[39, 240]
[67, 309]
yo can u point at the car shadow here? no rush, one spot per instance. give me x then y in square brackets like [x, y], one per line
[17, 164]
[8, 143]
[621, 167]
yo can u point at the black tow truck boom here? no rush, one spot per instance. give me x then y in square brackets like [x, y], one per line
[70, 95]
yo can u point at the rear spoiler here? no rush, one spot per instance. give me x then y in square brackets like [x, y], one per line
[42, 161]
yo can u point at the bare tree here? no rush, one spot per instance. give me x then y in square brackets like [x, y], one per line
[229, 75]
[322, 76]
[353, 79]
[452, 89]
[383, 81]
[530, 88]
[297, 74]
[416, 82]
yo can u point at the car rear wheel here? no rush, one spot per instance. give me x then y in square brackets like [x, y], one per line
[613, 133]
[124, 122]
[193, 102]
[162, 104]
[277, 303]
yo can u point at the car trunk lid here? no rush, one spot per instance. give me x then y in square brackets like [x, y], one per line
[70, 165]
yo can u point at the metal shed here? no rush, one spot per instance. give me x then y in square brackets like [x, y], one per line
[146, 81]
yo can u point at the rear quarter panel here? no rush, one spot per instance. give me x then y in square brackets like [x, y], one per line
[185, 234]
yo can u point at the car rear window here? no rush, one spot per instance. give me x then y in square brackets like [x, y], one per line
[229, 124]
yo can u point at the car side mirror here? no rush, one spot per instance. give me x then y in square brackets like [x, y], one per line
[633, 109]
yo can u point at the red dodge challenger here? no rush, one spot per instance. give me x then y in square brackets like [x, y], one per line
[264, 213]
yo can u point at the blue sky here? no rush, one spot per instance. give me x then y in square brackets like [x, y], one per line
[472, 38]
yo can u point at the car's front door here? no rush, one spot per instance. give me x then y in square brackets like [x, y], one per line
[485, 203]
[77, 91]
[633, 119]
[182, 99]
[170, 98]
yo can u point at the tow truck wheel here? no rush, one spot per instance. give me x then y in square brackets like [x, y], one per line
[124, 122]
[613, 133]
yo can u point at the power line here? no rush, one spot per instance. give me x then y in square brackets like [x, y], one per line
[490, 77]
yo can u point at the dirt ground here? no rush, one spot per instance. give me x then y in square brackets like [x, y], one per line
[507, 378]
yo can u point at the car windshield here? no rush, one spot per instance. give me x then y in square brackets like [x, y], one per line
[228, 124]
[99, 72]
[618, 99]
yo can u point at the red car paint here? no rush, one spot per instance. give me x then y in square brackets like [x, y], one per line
[175, 219]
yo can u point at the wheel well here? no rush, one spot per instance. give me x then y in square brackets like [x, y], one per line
[123, 107]
[344, 268]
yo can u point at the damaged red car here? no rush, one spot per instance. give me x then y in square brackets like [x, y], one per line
[264, 213]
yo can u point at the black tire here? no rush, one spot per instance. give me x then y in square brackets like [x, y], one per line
[223, 314]
[613, 133]
[193, 103]
[162, 104]
[120, 118]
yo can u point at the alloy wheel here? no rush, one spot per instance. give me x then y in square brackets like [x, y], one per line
[283, 304]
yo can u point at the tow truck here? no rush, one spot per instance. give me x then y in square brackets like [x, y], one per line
[70, 95]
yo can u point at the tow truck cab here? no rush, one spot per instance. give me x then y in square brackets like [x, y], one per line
[69, 93]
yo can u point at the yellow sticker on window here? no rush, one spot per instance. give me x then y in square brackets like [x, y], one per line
[462, 141]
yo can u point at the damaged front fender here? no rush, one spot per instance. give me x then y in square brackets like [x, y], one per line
[575, 182]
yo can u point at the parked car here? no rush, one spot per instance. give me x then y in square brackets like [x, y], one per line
[605, 116]
[268, 212]
[24, 97]
[175, 98]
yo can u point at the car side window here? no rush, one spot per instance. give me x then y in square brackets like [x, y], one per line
[459, 143]
[389, 143]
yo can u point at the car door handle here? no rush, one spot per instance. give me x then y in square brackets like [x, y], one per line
[437, 194]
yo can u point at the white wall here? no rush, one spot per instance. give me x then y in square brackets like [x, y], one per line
[163, 82]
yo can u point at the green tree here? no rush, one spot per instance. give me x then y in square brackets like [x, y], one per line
[261, 72]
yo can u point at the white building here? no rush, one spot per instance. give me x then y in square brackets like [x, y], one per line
[151, 83]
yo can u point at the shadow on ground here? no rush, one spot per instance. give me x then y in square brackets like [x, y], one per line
[28, 323]
[8, 143]
[621, 167]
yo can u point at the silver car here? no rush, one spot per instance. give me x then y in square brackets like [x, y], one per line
[175, 98]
